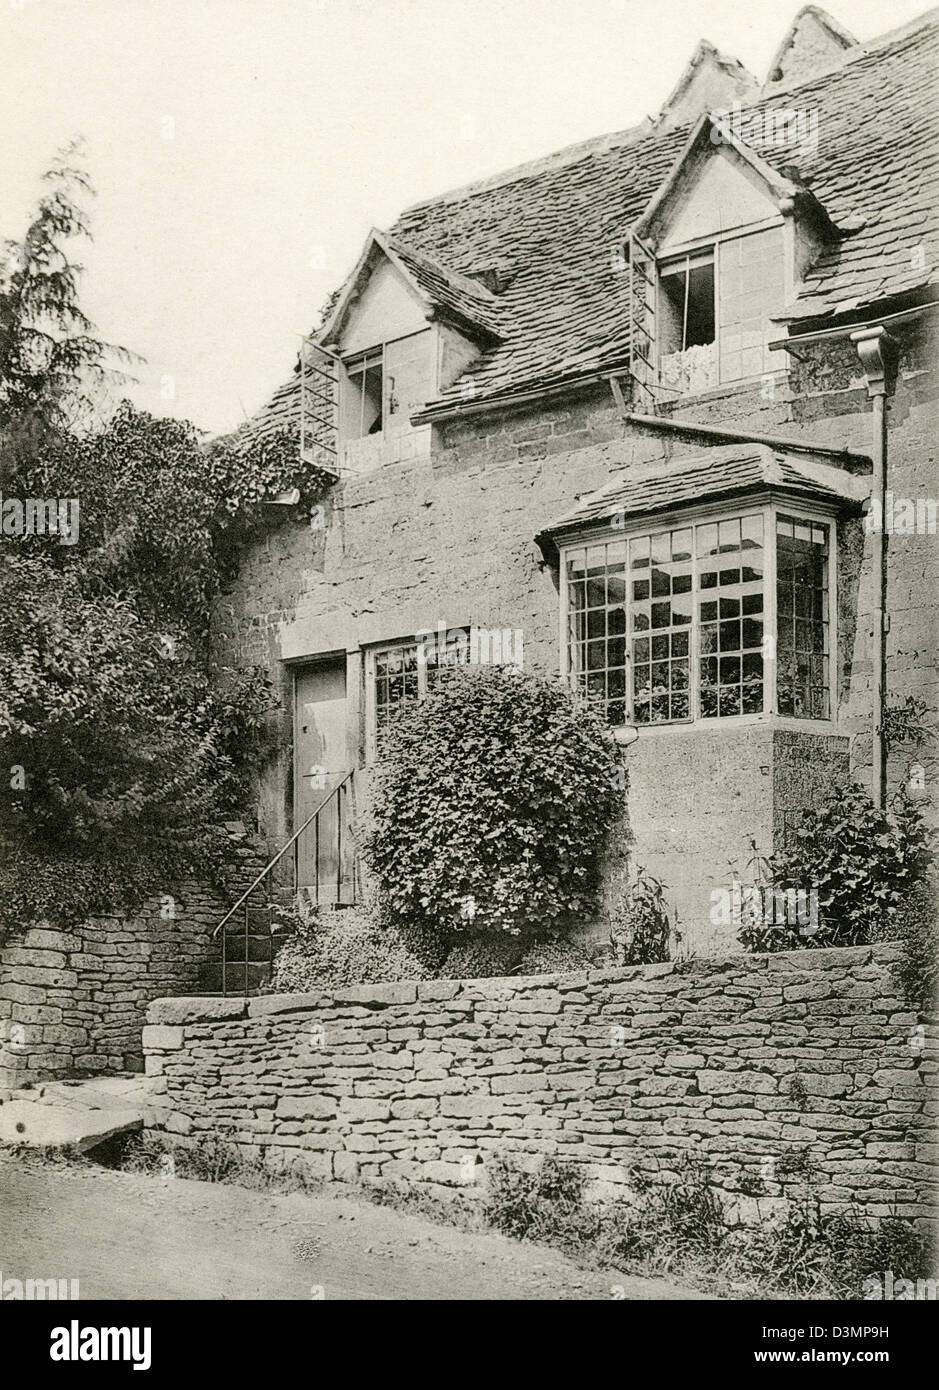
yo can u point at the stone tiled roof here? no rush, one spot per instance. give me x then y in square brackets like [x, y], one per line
[280, 412]
[558, 222]
[554, 228]
[733, 470]
[457, 296]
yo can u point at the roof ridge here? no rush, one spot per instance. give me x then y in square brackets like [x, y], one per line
[861, 49]
[554, 159]
[568, 154]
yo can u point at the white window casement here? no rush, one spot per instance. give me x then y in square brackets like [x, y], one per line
[724, 613]
[401, 673]
[713, 307]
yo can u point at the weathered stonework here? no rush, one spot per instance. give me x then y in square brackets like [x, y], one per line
[450, 537]
[75, 999]
[758, 1065]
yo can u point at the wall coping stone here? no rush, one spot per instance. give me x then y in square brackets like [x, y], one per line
[191, 1008]
[264, 1004]
[203, 1009]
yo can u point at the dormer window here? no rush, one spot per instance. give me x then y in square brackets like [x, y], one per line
[404, 327]
[713, 262]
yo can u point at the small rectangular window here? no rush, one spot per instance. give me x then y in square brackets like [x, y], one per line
[405, 672]
[364, 410]
[396, 681]
[686, 302]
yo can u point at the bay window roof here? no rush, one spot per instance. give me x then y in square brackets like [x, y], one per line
[732, 471]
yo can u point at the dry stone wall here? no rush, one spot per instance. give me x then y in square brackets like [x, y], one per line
[765, 1067]
[73, 999]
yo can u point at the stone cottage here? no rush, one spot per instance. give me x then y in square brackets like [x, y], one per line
[656, 413]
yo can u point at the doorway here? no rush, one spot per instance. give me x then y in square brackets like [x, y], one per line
[323, 857]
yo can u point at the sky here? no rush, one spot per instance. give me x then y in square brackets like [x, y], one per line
[242, 149]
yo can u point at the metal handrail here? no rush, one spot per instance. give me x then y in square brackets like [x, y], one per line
[281, 852]
[243, 900]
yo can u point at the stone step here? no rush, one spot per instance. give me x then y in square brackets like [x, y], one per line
[259, 947]
[75, 1115]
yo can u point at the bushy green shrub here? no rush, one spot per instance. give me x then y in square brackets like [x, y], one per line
[347, 947]
[493, 798]
[554, 958]
[862, 862]
[481, 957]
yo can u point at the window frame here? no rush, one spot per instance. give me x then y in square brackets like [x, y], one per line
[369, 665]
[768, 506]
[686, 261]
[358, 364]
[668, 256]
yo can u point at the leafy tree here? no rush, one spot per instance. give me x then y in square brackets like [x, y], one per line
[863, 863]
[126, 744]
[51, 362]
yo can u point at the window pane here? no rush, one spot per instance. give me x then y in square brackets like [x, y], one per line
[659, 645]
[597, 627]
[803, 686]
[730, 617]
[396, 681]
[442, 653]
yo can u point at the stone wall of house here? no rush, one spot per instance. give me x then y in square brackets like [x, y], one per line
[74, 998]
[765, 1067]
[450, 538]
[697, 797]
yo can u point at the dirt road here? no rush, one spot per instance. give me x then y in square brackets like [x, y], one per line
[132, 1236]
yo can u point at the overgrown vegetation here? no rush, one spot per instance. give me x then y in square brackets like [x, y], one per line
[677, 1228]
[330, 950]
[356, 946]
[864, 864]
[124, 746]
[916, 969]
[673, 1227]
[641, 930]
[493, 798]
[907, 722]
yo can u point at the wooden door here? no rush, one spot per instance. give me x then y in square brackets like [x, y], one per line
[324, 861]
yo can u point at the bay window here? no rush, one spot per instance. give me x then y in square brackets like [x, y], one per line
[702, 619]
